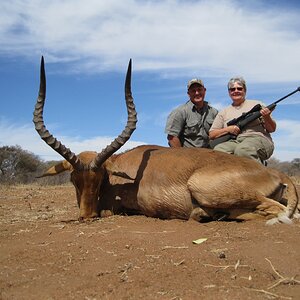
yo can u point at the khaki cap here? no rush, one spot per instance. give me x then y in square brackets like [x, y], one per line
[195, 80]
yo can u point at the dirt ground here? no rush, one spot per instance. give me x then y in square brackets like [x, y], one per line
[45, 253]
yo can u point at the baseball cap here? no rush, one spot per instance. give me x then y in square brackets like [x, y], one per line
[195, 80]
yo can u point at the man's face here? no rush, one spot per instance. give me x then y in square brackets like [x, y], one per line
[197, 94]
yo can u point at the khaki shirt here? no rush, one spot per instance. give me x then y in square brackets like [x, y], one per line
[256, 127]
[190, 125]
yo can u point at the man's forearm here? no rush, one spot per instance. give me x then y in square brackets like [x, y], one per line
[174, 141]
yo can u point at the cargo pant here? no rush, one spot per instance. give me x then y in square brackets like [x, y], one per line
[255, 147]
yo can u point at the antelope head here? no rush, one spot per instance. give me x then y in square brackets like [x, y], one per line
[87, 168]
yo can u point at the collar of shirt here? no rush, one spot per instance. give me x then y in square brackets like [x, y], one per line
[194, 108]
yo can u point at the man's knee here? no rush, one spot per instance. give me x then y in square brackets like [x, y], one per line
[223, 147]
[250, 152]
[265, 153]
[245, 151]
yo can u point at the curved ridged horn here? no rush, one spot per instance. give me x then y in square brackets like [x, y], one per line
[42, 130]
[127, 132]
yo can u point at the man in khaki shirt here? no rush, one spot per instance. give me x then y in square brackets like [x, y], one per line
[188, 125]
[255, 140]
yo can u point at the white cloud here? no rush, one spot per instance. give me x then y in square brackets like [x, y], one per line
[28, 139]
[287, 140]
[215, 37]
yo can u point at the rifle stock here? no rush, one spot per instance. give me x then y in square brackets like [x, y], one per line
[245, 119]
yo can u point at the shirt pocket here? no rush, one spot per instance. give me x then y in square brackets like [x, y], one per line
[207, 123]
[192, 129]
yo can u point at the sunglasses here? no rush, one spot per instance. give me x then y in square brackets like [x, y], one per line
[235, 88]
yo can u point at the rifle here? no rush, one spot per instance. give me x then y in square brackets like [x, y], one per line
[245, 119]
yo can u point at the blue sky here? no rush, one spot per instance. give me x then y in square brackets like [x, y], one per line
[87, 46]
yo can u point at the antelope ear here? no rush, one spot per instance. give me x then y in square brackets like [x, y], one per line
[111, 170]
[59, 168]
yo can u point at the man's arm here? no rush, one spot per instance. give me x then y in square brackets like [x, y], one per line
[174, 126]
[215, 133]
[174, 141]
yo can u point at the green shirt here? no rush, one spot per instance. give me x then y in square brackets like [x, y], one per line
[190, 125]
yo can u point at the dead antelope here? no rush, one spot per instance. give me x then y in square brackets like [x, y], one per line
[169, 182]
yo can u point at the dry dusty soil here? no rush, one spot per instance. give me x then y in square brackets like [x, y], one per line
[45, 253]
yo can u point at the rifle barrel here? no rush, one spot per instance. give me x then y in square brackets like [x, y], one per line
[290, 94]
[256, 114]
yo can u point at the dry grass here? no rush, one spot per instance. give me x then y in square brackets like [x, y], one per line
[296, 179]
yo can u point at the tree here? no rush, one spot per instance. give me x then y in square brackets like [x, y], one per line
[295, 166]
[20, 166]
[290, 168]
[17, 165]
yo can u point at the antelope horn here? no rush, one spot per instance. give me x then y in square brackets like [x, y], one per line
[127, 132]
[42, 130]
